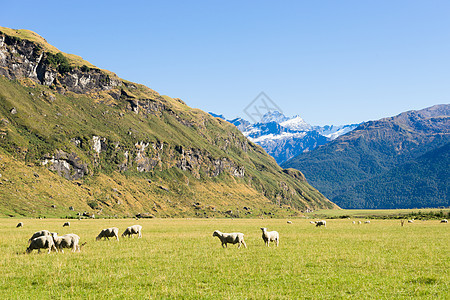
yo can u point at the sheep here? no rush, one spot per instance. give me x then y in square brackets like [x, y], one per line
[312, 222]
[38, 234]
[19, 225]
[359, 223]
[66, 224]
[70, 240]
[444, 221]
[410, 221]
[108, 232]
[353, 222]
[321, 223]
[270, 236]
[366, 222]
[232, 238]
[42, 242]
[289, 222]
[135, 229]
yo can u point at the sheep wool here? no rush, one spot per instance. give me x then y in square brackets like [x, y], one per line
[231, 238]
[108, 232]
[270, 236]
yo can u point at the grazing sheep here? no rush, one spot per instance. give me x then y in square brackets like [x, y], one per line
[321, 223]
[135, 229]
[70, 240]
[108, 232]
[366, 222]
[359, 223]
[38, 234]
[444, 221]
[289, 222]
[410, 221]
[66, 224]
[354, 222]
[270, 236]
[42, 242]
[232, 238]
[19, 225]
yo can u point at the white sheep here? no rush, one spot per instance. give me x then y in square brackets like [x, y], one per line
[321, 223]
[66, 224]
[38, 234]
[20, 224]
[232, 238]
[353, 222]
[366, 222]
[108, 232]
[270, 236]
[135, 229]
[444, 221]
[289, 222]
[410, 221]
[70, 240]
[42, 242]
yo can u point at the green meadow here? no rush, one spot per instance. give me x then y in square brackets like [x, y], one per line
[179, 258]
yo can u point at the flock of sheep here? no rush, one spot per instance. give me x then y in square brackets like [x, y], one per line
[45, 239]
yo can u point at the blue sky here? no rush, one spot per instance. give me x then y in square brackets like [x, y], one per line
[331, 62]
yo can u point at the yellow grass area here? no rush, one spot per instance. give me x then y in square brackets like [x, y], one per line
[179, 258]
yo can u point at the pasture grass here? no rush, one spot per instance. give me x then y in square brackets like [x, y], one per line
[179, 258]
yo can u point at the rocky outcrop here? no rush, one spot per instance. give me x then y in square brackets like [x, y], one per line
[67, 165]
[20, 58]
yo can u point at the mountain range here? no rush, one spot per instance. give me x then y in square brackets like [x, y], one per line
[395, 162]
[286, 137]
[76, 138]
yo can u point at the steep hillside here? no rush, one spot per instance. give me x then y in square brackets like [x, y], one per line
[343, 167]
[74, 135]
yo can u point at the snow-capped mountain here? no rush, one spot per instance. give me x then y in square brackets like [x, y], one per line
[296, 123]
[274, 116]
[283, 137]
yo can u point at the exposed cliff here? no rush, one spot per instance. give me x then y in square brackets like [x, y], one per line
[128, 149]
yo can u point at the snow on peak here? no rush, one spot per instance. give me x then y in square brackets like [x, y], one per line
[297, 124]
[274, 116]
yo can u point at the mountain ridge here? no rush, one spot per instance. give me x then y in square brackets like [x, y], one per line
[371, 151]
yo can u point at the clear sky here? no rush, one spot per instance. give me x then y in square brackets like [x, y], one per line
[331, 62]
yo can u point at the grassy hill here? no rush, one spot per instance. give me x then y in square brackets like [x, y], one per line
[72, 135]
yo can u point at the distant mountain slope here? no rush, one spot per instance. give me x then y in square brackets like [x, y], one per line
[422, 182]
[284, 138]
[75, 135]
[358, 161]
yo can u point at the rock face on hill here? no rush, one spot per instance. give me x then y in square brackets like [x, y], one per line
[21, 58]
[396, 162]
[126, 149]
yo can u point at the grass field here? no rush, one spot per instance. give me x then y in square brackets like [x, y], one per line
[179, 258]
